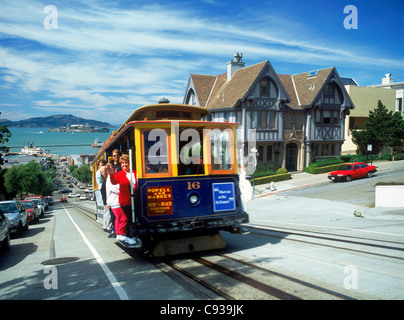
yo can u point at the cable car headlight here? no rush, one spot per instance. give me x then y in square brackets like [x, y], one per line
[193, 199]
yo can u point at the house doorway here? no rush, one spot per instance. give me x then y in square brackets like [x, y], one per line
[291, 157]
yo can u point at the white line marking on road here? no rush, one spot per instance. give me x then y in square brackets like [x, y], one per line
[114, 282]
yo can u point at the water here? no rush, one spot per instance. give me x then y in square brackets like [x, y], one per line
[42, 137]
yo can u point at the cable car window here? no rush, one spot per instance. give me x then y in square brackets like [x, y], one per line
[191, 152]
[221, 149]
[155, 144]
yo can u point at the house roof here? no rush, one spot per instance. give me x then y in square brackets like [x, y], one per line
[225, 94]
[203, 86]
[303, 88]
[215, 92]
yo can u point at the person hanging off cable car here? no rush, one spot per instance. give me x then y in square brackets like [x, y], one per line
[123, 214]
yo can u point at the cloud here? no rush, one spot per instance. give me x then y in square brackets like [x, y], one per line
[106, 59]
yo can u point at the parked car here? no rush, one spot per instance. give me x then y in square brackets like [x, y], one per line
[350, 171]
[4, 232]
[16, 214]
[32, 210]
[64, 191]
[41, 200]
[39, 206]
[63, 199]
[49, 201]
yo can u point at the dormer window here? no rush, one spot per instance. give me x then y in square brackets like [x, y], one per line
[264, 87]
[329, 94]
[268, 88]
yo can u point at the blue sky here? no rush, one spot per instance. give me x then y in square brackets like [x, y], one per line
[106, 58]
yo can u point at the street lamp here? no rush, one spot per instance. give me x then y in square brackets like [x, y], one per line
[254, 153]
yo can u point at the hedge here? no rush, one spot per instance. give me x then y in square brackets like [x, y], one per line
[317, 170]
[274, 178]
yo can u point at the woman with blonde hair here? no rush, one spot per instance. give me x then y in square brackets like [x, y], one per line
[123, 214]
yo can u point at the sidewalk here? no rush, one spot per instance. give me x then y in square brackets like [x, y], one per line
[303, 179]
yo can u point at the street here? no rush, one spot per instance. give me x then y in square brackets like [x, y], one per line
[304, 243]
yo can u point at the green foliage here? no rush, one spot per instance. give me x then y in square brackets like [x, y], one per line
[5, 135]
[324, 169]
[383, 129]
[274, 178]
[82, 174]
[366, 158]
[28, 179]
[326, 162]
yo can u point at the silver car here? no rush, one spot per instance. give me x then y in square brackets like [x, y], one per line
[16, 214]
[4, 232]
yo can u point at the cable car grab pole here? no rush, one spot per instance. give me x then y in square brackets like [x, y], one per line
[131, 185]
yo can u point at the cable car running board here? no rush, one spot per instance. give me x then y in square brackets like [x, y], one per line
[187, 245]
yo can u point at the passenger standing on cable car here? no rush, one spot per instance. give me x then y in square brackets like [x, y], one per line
[124, 213]
[116, 155]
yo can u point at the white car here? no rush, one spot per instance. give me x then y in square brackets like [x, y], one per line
[73, 195]
[83, 197]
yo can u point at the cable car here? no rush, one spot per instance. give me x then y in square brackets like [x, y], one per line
[187, 178]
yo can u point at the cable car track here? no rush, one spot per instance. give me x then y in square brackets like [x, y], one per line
[331, 240]
[223, 275]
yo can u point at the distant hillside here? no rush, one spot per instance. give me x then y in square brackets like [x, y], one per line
[56, 121]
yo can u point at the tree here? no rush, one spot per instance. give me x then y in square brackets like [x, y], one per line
[83, 173]
[383, 129]
[28, 178]
[5, 135]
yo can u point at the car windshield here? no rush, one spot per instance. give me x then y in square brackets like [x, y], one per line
[36, 202]
[346, 167]
[27, 204]
[8, 207]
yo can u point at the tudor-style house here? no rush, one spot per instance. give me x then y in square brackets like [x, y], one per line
[295, 117]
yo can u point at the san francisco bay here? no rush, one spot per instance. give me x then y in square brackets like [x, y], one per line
[66, 143]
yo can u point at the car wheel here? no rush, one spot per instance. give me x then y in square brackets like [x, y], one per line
[5, 245]
[20, 229]
[348, 178]
[369, 174]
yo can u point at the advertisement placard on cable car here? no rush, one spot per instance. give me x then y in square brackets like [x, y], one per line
[159, 201]
[223, 196]
[99, 204]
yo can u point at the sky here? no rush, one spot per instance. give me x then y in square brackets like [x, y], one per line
[102, 59]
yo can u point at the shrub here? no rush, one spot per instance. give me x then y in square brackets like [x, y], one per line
[281, 170]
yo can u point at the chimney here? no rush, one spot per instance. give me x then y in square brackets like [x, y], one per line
[234, 65]
[388, 79]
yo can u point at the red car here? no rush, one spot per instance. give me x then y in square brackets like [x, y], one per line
[32, 210]
[351, 171]
[63, 200]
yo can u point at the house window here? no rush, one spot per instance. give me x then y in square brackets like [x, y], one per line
[318, 116]
[264, 119]
[269, 153]
[335, 117]
[327, 116]
[239, 118]
[268, 88]
[272, 119]
[254, 120]
[329, 94]
[264, 87]
[260, 156]
[399, 104]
